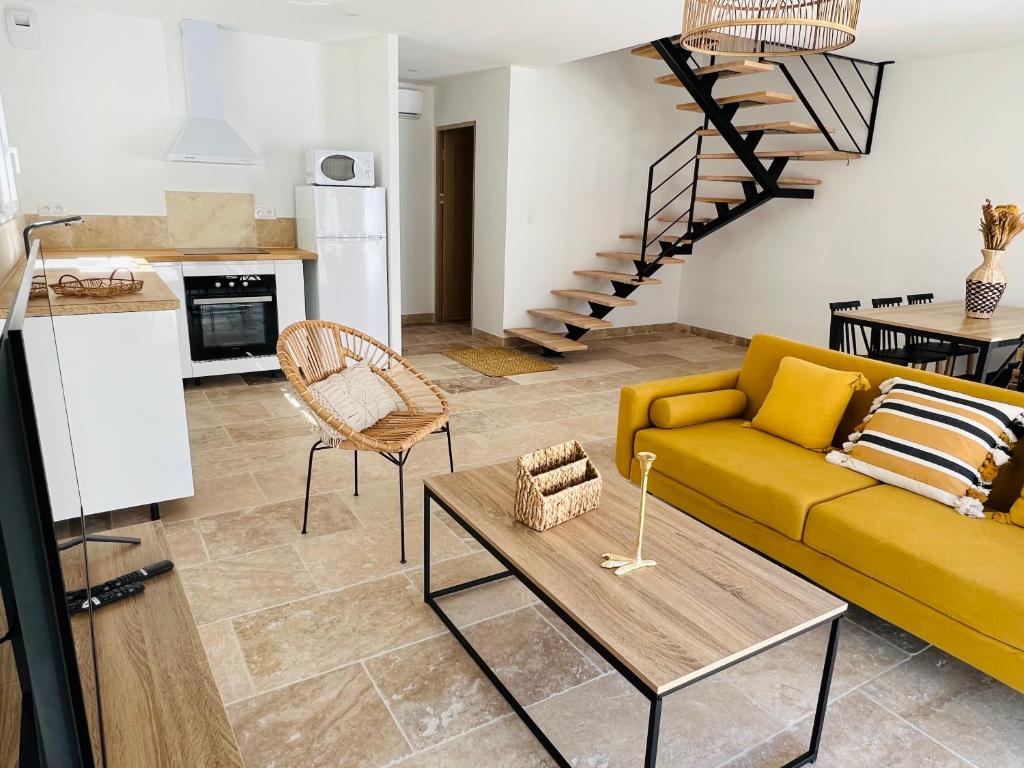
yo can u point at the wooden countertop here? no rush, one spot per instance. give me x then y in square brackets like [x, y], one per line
[947, 318]
[160, 702]
[165, 255]
[155, 296]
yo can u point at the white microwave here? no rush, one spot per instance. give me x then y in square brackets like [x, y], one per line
[339, 168]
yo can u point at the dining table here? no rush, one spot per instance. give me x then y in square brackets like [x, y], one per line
[940, 321]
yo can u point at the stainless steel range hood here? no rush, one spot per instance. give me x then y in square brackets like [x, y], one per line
[206, 136]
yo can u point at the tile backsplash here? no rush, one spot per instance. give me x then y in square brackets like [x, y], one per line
[210, 219]
[195, 219]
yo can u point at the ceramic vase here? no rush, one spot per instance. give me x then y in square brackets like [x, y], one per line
[985, 285]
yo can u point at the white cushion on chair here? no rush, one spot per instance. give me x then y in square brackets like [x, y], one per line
[356, 396]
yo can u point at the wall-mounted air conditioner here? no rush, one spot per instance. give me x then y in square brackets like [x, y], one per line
[410, 103]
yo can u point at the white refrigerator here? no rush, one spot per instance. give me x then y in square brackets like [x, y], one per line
[348, 282]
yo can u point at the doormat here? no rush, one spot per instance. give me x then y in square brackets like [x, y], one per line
[499, 361]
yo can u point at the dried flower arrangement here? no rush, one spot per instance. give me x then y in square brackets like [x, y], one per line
[999, 225]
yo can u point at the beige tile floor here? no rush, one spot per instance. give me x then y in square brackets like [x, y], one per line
[326, 655]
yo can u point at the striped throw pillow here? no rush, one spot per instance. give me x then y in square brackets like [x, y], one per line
[941, 444]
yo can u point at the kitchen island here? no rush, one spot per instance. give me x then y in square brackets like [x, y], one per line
[107, 390]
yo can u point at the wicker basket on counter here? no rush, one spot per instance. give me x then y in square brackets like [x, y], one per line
[38, 289]
[97, 287]
[554, 485]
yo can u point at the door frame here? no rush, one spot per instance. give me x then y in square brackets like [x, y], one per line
[438, 214]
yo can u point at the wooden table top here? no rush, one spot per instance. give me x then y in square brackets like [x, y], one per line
[709, 602]
[948, 318]
[160, 702]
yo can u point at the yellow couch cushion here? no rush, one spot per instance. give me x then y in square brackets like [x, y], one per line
[751, 472]
[969, 569]
[806, 402]
[697, 408]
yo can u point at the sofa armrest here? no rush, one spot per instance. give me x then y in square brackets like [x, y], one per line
[635, 406]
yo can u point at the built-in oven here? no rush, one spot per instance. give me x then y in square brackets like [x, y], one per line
[231, 316]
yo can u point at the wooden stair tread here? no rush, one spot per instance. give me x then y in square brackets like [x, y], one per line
[672, 219]
[724, 69]
[778, 127]
[664, 238]
[714, 199]
[630, 256]
[755, 99]
[571, 318]
[794, 154]
[648, 52]
[784, 181]
[616, 277]
[603, 299]
[552, 341]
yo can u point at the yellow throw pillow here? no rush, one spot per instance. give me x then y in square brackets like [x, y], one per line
[807, 402]
[698, 408]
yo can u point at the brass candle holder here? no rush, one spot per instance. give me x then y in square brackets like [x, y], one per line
[621, 563]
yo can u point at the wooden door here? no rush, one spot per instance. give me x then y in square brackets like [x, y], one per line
[455, 224]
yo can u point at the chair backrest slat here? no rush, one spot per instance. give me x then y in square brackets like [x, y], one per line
[887, 337]
[848, 338]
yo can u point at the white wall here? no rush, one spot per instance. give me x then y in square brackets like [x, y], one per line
[902, 219]
[417, 151]
[95, 109]
[581, 140]
[483, 98]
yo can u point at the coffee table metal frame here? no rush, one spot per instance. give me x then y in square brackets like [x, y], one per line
[430, 597]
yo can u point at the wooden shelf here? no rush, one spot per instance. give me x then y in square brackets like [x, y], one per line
[724, 69]
[616, 277]
[552, 341]
[785, 181]
[603, 299]
[778, 127]
[793, 154]
[571, 318]
[756, 99]
[629, 256]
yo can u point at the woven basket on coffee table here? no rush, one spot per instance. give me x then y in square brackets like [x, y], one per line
[554, 485]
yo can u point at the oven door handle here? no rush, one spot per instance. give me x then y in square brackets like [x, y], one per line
[235, 300]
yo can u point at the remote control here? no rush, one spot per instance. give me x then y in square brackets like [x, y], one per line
[76, 596]
[98, 601]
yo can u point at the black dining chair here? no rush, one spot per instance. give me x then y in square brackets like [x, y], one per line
[949, 349]
[845, 335]
[894, 346]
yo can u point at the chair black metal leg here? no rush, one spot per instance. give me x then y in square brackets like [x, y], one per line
[355, 463]
[401, 501]
[154, 511]
[309, 479]
[451, 458]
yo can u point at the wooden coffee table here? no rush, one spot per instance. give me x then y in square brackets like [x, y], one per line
[710, 603]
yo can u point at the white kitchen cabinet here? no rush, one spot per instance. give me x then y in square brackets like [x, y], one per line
[171, 274]
[124, 439]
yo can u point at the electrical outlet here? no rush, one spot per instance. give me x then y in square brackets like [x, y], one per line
[51, 209]
[266, 213]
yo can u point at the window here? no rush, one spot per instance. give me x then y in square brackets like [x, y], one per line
[8, 168]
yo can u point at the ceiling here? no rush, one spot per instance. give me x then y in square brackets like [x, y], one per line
[443, 37]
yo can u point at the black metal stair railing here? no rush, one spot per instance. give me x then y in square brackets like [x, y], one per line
[668, 244]
[861, 138]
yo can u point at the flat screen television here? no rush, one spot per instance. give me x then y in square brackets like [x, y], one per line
[43, 720]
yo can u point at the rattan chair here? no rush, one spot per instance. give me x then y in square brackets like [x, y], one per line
[312, 350]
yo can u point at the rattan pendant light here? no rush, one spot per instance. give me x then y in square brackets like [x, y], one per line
[781, 27]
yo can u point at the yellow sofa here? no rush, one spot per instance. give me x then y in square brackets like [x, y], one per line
[956, 582]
